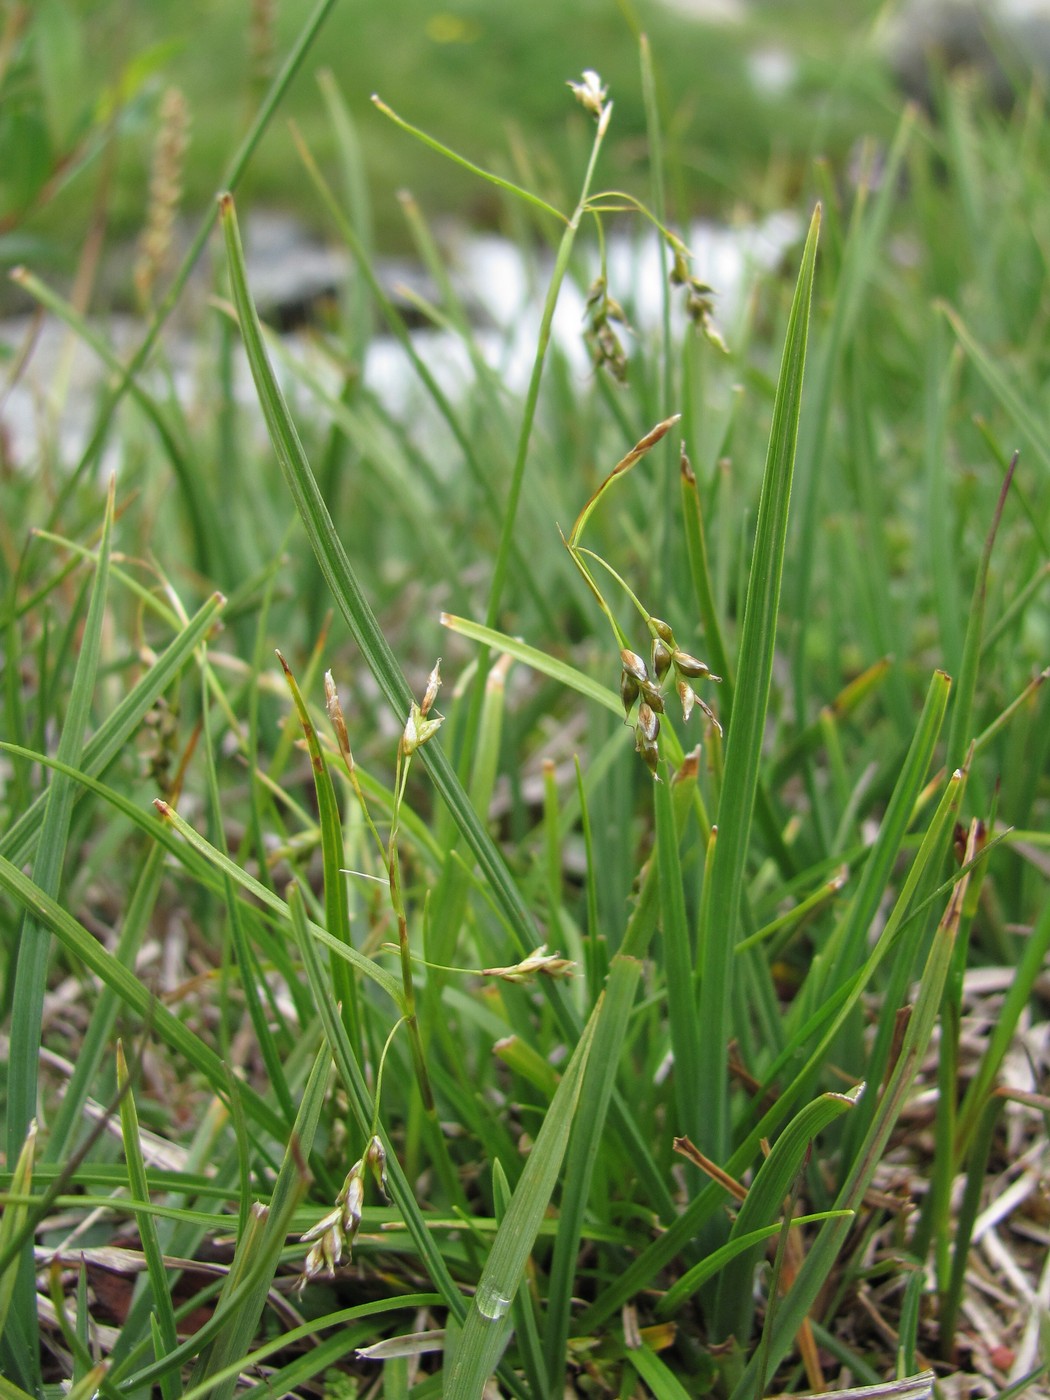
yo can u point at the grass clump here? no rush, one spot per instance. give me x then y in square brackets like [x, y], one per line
[358, 1042]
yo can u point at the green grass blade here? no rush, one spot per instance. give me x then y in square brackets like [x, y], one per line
[843, 947]
[362, 1106]
[17, 843]
[308, 1331]
[507, 186]
[95, 1043]
[820, 1258]
[13, 1221]
[162, 1312]
[859, 263]
[747, 726]
[230, 180]
[336, 902]
[202, 515]
[85, 948]
[960, 725]
[679, 967]
[582, 1157]
[1030, 965]
[764, 1204]
[1017, 405]
[678, 1236]
[234, 1339]
[485, 1330]
[34, 945]
[341, 578]
[657, 1375]
[550, 666]
[10, 1391]
[703, 586]
[230, 868]
[712, 1265]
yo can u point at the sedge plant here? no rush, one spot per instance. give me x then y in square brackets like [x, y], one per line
[642, 1069]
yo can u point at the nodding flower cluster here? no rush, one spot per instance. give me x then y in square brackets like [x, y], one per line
[602, 312]
[644, 684]
[336, 1231]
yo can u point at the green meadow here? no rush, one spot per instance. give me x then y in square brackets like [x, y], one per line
[649, 997]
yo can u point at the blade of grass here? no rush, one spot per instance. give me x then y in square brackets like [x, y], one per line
[336, 903]
[961, 721]
[683, 1230]
[599, 1081]
[363, 1108]
[719, 934]
[846, 941]
[231, 179]
[679, 963]
[309, 1330]
[85, 948]
[1031, 964]
[229, 868]
[656, 1374]
[1018, 406]
[480, 472]
[234, 1339]
[859, 262]
[18, 841]
[764, 1203]
[712, 1265]
[13, 1221]
[507, 186]
[34, 946]
[201, 512]
[486, 1327]
[342, 580]
[95, 1043]
[162, 1311]
[796, 1303]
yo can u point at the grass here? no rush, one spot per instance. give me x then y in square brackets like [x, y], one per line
[680, 1071]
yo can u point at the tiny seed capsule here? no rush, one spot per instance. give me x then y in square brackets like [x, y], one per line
[628, 691]
[652, 697]
[648, 723]
[634, 665]
[649, 752]
[688, 698]
[662, 630]
[661, 658]
[687, 665]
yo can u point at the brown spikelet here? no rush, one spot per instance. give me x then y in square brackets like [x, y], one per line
[165, 192]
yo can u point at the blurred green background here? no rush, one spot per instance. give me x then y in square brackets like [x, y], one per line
[747, 101]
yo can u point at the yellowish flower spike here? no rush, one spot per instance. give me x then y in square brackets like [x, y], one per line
[538, 963]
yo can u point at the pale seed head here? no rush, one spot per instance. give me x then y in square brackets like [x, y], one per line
[690, 666]
[634, 665]
[353, 1200]
[687, 695]
[648, 750]
[375, 1159]
[648, 723]
[418, 729]
[433, 686]
[589, 92]
[538, 963]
